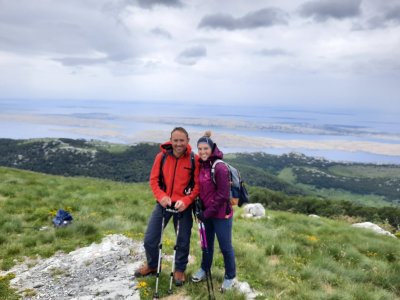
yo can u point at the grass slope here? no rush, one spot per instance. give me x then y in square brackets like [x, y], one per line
[334, 194]
[285, 256]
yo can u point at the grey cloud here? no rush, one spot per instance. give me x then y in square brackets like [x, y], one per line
[161, 32]
[384, 16]
[224, 21]
[323, 10]
[273, 52]
[75, 31]
[393, 14]
[261, 18]
[191, 56]
[151, 3]
[81, 61]
[78, 61]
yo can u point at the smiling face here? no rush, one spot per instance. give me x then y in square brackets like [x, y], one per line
[204, 151]
[179, 142]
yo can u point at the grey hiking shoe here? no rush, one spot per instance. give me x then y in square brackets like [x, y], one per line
[199, 275]
[227, 284]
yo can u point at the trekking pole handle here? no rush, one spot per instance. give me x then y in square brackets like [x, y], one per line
[171, 209]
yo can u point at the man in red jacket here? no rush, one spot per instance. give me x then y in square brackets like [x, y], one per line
[176, 175]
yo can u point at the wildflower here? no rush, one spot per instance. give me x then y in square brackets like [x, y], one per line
[129, 234]
[312, 238]
[168, 242]
[52, 213]
[141, 284]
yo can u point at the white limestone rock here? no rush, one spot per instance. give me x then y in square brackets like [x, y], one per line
[374, 227]
[254, 210]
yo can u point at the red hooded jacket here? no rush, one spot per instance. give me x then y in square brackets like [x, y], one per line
[176, 173]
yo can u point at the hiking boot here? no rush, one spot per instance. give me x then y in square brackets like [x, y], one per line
[145, 271]
[199, 275]
[179, 278]
[227, 284]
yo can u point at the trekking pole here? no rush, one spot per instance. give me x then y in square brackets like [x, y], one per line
[204, 246]
[175, 247]
[156, 296]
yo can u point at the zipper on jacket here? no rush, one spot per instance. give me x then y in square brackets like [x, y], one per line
[173, 178]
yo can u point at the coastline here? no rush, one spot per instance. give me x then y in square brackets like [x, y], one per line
[334, 136]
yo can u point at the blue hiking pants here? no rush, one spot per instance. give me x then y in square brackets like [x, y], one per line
[222, 228]
[153, 236]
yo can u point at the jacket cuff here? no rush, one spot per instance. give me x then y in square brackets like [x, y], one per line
[160, 197]
[187, 201]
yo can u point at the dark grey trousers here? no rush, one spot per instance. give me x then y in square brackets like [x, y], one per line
[153, 235]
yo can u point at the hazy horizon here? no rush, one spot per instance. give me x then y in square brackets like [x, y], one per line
[325, 54]
[335, 135]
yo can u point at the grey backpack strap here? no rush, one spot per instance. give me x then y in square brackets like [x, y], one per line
[213, 168]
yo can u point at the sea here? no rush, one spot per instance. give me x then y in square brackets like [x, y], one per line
[360, 135]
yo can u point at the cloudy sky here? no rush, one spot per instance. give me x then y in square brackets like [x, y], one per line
[324, 53]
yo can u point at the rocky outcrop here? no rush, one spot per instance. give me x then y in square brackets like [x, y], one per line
[100, 271]
[374, 227]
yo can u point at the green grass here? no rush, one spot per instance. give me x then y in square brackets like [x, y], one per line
[5, 291]
[111, 147]
[29, 201]
[287, 175]
[366, 171]
[338, 194]
[91, 145]
[285, 256]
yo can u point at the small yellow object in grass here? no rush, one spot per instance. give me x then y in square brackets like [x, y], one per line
[7, 277]
[52, 213]
[168, 242]
[129, 234]
[312, 238]
[141, 284]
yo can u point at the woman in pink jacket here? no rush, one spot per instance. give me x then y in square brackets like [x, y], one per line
[217, 211]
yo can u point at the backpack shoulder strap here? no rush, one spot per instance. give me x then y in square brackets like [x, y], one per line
[193, 167]
[161, 175]
[217, 161]
[190, 186]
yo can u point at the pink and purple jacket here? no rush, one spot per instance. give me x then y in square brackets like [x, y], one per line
[215, 196]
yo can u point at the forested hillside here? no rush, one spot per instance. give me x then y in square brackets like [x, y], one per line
[70, 157]
[292, 174]
[315, 175]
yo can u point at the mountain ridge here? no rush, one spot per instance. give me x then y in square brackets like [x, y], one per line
[293, 173]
